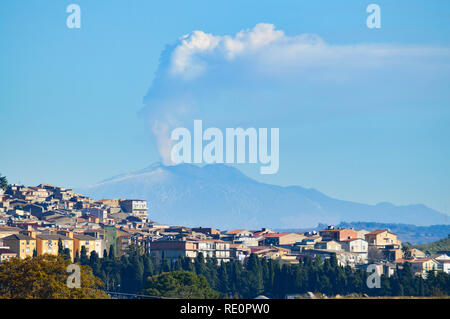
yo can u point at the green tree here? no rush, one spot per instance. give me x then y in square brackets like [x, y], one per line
[165, 265]
[178, 266]
[66, 254]
[84, 260]
[149, 269]
[199, 264]
[60, 247]
[94, 263]
[111, 273]
[45, 277]
[187, 264]
[223, 280]
[253, 279]
[180, 284]
[77, 256]
[112, 252]
[3, 182]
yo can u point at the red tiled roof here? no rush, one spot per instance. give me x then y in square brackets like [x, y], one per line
[237, 246]
[416, 261]
[379, 231]
[207, 240]
[236, 231]
[419, 260]
[257, 233]
[277, 235]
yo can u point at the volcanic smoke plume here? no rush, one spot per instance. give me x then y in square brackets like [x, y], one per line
[260, 77]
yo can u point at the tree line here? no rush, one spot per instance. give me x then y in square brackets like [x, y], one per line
[46, 277]
[143, 274]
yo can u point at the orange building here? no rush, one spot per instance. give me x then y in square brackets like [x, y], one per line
[338, 234]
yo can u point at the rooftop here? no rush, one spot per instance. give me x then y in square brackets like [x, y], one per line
[18, 237]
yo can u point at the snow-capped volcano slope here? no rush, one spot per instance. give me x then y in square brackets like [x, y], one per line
[223, 197]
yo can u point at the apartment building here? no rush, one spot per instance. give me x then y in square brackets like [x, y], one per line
[6, 231]
[135, 207]
[280, 239]
[328, 245]
[6, 254]
[355, 245]
[443, 261]
[22, 245]
[337, 234]
[173, 249]
[381, 238]
[48, 244]
[90, 244]
[421, 266]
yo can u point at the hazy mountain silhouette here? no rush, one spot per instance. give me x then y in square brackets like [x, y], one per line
[221, 196]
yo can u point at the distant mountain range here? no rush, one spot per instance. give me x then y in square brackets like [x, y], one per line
[406, 233]
[221, 196]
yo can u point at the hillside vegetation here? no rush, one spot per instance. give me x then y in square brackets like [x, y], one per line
[407, 233]
[443, 244]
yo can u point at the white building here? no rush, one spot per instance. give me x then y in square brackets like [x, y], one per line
[247, 241]
[355, 245]
[358, 247]
[134, 207]
[443, 263]
[100, 213]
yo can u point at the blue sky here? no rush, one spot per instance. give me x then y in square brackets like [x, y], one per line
[70, 100]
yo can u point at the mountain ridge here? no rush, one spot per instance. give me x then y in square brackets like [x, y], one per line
[222, 196]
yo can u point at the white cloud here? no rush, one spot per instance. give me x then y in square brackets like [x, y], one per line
[264, 58]
[269, 49]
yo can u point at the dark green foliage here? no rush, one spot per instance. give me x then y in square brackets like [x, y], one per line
[180, 284]
[112, 252]
[3, 182]
[257, 276]
[440, 245]
[83, 256]
[66, 254]
[60, 247]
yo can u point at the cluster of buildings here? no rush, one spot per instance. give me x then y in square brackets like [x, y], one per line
[35, 220]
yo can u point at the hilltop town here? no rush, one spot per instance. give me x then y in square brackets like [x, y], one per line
[45, 219]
